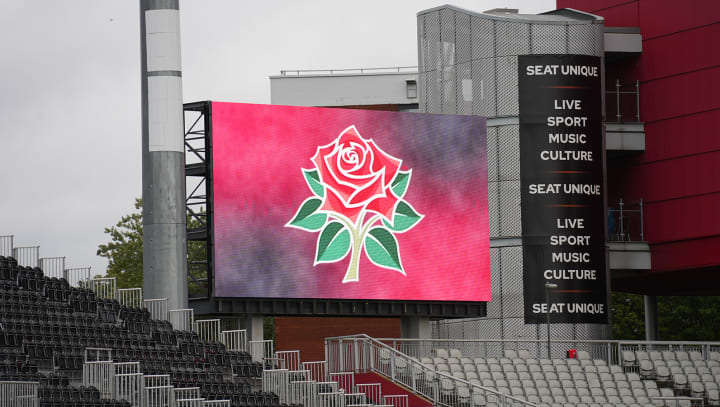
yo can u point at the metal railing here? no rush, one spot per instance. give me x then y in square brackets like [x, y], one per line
[130, 297]
[158, 308]
[52, 266]
[6, 245]
[262, 350]
[361, 353]
[77, 277]
[624, 101]
[289, 359]
[208, 330]
[98, 371]
[19, 394]
[317, 370]
[182, 319]
[626, 222]
[28, 256]
[346, 71]
[104, 287]
[234, 340]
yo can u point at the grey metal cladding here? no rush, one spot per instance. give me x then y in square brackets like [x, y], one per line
[548, 38]
[506, 85]
[483, 81]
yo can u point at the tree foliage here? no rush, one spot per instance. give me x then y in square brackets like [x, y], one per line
[687, 318]
[124, 252]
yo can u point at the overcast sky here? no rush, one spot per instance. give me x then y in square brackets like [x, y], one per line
[70, 92]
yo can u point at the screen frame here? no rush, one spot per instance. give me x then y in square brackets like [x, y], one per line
[212, 304]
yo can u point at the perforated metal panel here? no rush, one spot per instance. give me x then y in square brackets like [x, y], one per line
[507, 86]
[493, 210]
[463, 43]
[512, 38]
[509, 152]
[509, 195]
[483, 75]
[459, 49]
[464, 86]
[492, 154]
[548, 38]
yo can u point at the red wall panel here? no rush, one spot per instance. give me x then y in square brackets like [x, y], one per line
[662, 17]
[680, 95]
[617, 13]
[683, 52]
[682, 136]
[683, 219]
[685, 176]
[686, 254]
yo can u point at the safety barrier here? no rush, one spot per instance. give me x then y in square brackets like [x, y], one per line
[289, 359]
[262, 350]
[362, 354]
[317, 370]
[396, 400]
[235, 340]
[158, 396]
[356, 399]
[77, 277]
[130, 297]
[301, 393]
[98, 371]
[336, 399]
[345, 381]
[188, 397]
[373, 391]
[19, 394]
[129, 387]
[52, 266]
[28, 256]
[6, 245]
[182, 319]
[277, 381]
[158, 308]
[208, 330]
[104, 287]
[216, 403]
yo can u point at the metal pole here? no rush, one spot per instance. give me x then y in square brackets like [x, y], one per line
[548, 286]
[637, 98]
[651, 327]
[642, 227]
[622, 227]
[163, 154]
[617, 99]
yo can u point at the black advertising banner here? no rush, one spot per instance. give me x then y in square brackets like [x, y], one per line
[561, 176]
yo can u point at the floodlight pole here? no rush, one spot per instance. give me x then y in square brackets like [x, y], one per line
[163, 154]
[548, 286]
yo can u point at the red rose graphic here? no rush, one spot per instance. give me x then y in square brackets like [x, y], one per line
[357, 175]
[353, 177]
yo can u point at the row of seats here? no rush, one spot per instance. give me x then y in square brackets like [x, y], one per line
[45, 318]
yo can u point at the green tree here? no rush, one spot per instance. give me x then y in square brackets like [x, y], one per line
[124, 252]
[628, 317]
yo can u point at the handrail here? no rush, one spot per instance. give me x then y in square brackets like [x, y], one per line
[362, 360]
[391, 69]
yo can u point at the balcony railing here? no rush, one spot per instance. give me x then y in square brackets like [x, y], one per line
[349, 71]
[625, 222]
[622, 105]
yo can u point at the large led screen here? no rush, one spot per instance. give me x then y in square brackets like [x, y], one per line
[349, 204]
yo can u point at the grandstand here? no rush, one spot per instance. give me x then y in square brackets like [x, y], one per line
[89, 344]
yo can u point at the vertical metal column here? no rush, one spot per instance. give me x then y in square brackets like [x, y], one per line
[163, 160]
[651, 326]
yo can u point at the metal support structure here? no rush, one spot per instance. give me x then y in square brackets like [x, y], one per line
[548, 286]
[163, 159]
[6, 245]
[651, 317]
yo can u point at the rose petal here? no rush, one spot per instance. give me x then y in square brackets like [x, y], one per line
[369, 192]
[333, 203]
[385, 206]
[326, 175]
[350, 135]
[383, 160]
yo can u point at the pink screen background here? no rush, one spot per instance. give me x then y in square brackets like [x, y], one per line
[258, 152]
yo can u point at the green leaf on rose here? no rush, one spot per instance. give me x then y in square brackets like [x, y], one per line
[306, 217]
[313, 180]
[381, 248]
[404, 219]
[400, 184]
[333, 243]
